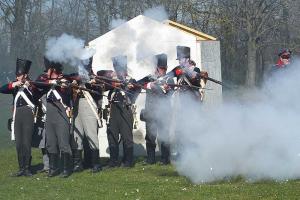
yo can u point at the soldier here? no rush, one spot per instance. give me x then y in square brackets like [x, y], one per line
[121, 97]
[87, 121]
[158, 94]
[25, 99]
[284, 57]
[186, 95]
[39, 135]
[187, 73]
[58, 118]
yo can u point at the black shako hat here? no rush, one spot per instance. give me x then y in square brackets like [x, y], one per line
[120, 63]
[284, 50]
[22, 66]
[51, 64]
[183, 52]
[162, 60]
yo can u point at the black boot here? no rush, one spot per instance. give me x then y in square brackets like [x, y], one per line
[165, 154]
[113, 160]
[53, 169]
[96, 166]
[66, 157]
[77, 156]
[129, 157]
[21, 167]
[27, 171]
[150, 154]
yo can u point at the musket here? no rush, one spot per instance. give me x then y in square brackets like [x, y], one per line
[190, 86]
[59, 83]
[211, 79]
[83, 88]
[111, 85]
[104, 78]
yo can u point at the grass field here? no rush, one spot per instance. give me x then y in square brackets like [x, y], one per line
[140, 182]
[5, 113]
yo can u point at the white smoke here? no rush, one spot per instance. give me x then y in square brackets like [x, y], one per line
[157, 13]
[258, 139]
[67, 49]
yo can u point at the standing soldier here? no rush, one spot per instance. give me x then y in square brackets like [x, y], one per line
[187, 73]
[39, 135]
[87, 122]
[58, 118]
[25, 98]
[157, 104]
[121, 97]
[283, 61]
[188, 94]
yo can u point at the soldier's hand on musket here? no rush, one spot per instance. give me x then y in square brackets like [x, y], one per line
[204, 76]
[53, 82]
[74, 82]
[27, 83]
[63, 83]
[16, 84]
[60, 76]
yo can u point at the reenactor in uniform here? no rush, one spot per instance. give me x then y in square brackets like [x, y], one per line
[284, 58]
[87, 122]
[186, 96]
[158, 96]
[121, 97]
[25, 99]
[187, 73]
[39, 135]
[58, 118]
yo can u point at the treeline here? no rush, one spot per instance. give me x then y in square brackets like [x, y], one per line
[250, 31]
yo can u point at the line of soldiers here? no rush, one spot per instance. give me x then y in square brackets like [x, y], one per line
[72, 110]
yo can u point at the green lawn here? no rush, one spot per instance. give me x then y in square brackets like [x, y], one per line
[140, 182]
[5, 113]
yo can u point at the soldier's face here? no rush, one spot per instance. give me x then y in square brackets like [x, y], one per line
[184, 62]
[51, 73]
[161, 71]
[21, 77]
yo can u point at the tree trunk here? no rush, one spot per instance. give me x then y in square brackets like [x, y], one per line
[18, 26]
[251, 63]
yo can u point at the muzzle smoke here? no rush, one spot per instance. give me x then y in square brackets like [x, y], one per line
[258, 138]
[69, 50]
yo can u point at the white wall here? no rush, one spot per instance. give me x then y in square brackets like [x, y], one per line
[140, 39]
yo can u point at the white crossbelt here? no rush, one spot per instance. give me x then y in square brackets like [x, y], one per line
[22, 94]
[57, 96]
[93, 106]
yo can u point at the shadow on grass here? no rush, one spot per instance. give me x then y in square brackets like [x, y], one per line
[36, 168]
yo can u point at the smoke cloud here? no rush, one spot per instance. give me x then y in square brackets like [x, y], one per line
[67, 49]
[257, 138]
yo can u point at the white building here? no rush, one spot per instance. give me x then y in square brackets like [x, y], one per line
[143, 37]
